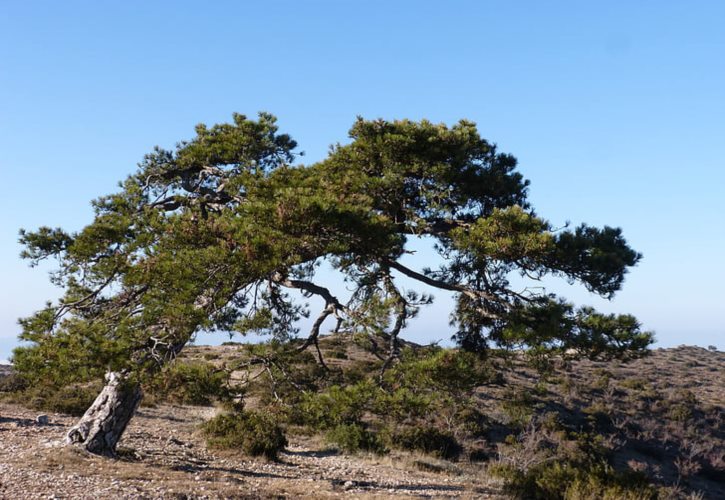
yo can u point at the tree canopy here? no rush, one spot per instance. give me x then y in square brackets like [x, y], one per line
[216, 233]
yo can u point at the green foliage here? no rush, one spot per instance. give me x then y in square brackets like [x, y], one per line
[253, 433]
[681, 405]
[508, 234]
[545, 461]
[336, 405]
[352, 438]
[567, 480]
[211, 234]
[338, 354]
[554, 327]
[451, 371]
[13, 383]
[194, 383]
[427, 440]
[422, 383]
[358, 371]
[425, 389]
[604, 378]
[471, 420]
[288, 373]
[598, 258]
[73, 399]
[61, 373]
[65, 358]
[519, 406]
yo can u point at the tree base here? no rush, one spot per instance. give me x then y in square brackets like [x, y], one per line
[103, 424]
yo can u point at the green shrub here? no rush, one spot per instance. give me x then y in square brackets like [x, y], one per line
[519, 406]
[338, 353]
[335, 406]
[70, 388]
[363, 341]
[358, 412]
[194, 383]
[287, 373]
[635, 383]
[352, 438]
[472, 421]
[358, 371]
[428, 440]
[254, 433]
[73, 399]
[13, 383]
[81, 354]
[603, 379]
[567, 480]
[404, 403]
[434, 369]
[540, 359]
[680, 412]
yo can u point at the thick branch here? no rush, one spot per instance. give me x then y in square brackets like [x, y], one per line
[443, 285]
[308, 287]
[332, 306]
[401, 313]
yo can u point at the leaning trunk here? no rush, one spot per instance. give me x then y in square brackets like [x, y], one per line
[102, 426]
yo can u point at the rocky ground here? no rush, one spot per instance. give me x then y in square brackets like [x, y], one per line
[162, 456]
[663, 415]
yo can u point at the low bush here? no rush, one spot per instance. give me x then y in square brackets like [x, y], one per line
[435, 369]
[357, 371]
[635, 383]
[338, 353]
[472, 421]
[335, 406]
[359, 412]
[519, 406]
[352, 438]
[73, 399]
[254, 433]
[427, 439]
[287, 373]
[13, 383]
[194, 383]
[567, 480]
[543, 462]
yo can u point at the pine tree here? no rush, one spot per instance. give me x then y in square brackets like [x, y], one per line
[217, 233]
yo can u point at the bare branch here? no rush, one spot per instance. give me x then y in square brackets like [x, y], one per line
[401, 313]
[308, 287]
[444, 285]
[332, 306]
[70, 305]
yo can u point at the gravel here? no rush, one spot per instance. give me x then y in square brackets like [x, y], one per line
[163, 456]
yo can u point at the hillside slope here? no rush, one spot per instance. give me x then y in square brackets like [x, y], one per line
[661, 416]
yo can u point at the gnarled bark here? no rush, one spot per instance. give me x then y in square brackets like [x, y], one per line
[102, 426]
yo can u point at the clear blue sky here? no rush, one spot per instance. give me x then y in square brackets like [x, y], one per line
[616, 111]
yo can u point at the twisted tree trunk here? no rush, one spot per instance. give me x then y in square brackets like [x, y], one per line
[102, 426]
